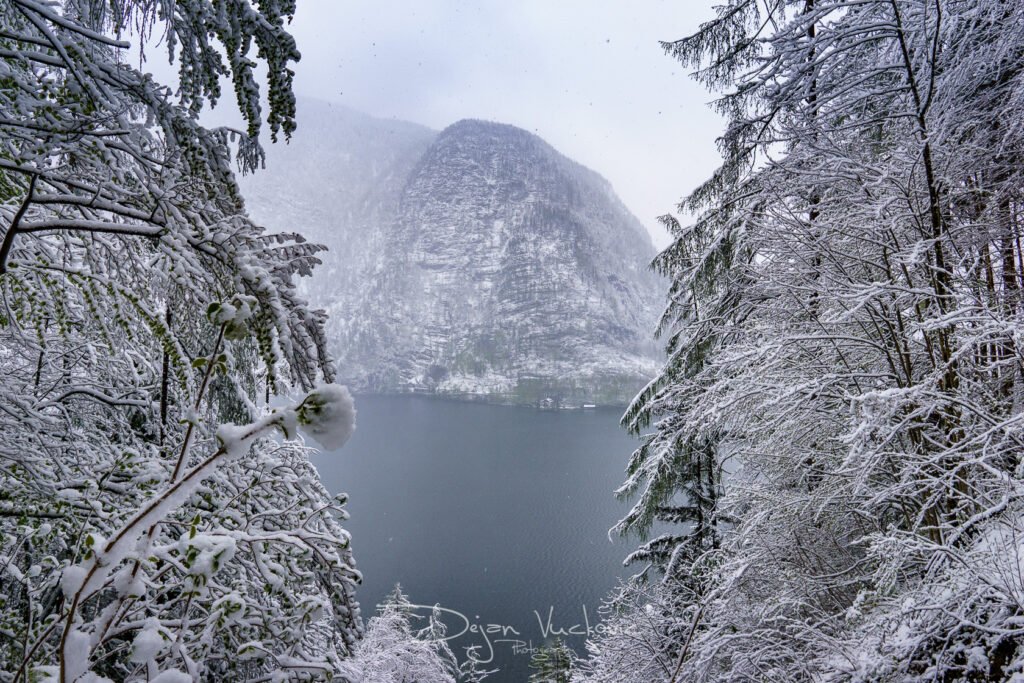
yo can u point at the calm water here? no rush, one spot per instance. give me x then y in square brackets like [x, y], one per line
[498, 514]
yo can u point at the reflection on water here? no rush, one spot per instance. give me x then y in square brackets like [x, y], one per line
[498, 514]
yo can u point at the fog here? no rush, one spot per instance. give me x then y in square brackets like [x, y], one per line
[588, 77]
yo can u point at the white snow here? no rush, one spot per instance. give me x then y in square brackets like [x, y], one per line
[148, 642]
[171, 676]
[328, 416]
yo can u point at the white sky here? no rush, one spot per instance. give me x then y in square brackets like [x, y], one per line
[588, 76]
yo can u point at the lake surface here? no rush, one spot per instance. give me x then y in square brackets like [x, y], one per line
[499, 514]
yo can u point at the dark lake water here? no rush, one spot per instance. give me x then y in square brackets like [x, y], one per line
[499, 514]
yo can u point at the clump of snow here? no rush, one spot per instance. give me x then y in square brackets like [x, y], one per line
[129, 583]
[235, 439]
[171, 676]
[148, 642]
[51, 674]
[76, 654]
[238, 310]
[207, 552]
[234, 315]
[231, 608]
[71, 579]
[328, 416]
[254, 649]
[90, 677]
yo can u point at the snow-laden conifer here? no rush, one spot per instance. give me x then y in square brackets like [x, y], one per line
[844, 355]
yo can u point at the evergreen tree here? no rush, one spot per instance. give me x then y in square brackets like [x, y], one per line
[395, 651]
[844, 340]
[552, 663]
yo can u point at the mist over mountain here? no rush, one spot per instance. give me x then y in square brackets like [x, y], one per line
[477, 261]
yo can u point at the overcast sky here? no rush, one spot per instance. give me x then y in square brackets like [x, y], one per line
[588, 76]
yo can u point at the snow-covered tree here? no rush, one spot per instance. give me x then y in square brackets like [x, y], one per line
[552, 663]
[844, 337]
[645, 636]
[141, 315]
[394, 650]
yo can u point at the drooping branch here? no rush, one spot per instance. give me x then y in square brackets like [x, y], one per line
[12, 229]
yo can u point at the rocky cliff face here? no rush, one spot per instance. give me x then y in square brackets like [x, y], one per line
[474, 262]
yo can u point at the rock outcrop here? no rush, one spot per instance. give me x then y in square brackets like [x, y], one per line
[476, 262]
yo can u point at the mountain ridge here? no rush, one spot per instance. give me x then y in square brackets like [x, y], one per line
[476, 261]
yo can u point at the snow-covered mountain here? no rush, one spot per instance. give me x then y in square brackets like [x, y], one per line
[477, 261]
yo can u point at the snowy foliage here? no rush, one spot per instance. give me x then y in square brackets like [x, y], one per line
[845, 340]
[142, 537]
[394, 651]
[643, 632]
